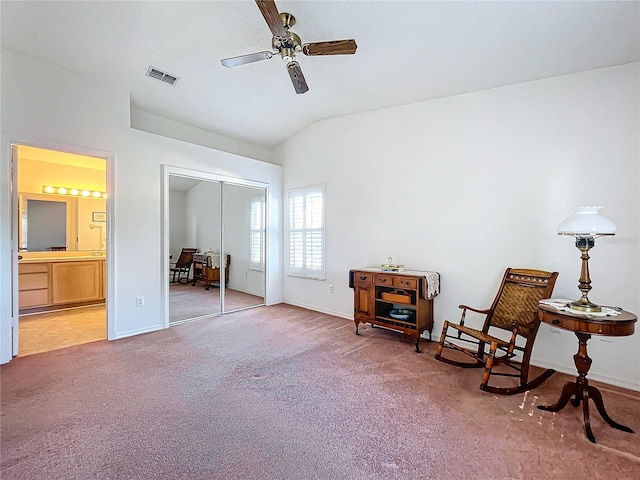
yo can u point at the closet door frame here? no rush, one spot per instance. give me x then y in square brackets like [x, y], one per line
[169, 170]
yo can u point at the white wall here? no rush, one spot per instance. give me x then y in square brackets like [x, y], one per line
[237, 241]
[35, 174]
[472, 184]
[203, 216]
[92, 233]
[51, 107]
[177, 223]
[152, 123]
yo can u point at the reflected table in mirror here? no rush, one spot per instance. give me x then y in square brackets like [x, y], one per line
[584, 325]
[206, 268]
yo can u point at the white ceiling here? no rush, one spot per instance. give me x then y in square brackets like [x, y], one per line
[61, 158]
[407, 52]
[182, 184]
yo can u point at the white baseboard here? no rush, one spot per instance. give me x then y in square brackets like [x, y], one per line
[248, 292]
[321, 310]
[138, 331]
[591, 376]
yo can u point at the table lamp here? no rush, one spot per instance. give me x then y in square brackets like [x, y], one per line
[586, 225]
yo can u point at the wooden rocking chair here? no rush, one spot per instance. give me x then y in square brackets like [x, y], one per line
[515, 310]
[182, 268]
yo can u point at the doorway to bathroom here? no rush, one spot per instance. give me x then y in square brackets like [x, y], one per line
[62, 249]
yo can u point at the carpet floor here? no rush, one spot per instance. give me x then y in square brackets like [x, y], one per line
[281, 392]
[186, 302]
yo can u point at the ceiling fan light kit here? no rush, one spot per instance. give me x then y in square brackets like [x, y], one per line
[288, 44]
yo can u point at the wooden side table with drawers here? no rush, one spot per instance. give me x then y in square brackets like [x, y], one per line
[399, 301]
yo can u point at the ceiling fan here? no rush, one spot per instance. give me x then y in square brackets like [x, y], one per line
[287, 44]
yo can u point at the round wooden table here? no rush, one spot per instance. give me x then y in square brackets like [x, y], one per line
[584, 326]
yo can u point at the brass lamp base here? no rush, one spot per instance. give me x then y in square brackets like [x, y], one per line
[585, 306]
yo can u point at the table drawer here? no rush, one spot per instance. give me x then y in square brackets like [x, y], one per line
[382, 279]
[405, 282]
[363, 277]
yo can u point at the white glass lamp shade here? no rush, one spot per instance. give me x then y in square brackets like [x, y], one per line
[587, 222]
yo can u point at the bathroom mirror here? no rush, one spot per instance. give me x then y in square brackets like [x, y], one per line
[53, 223]
[61, 201]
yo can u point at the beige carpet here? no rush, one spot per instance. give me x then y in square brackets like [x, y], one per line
[285, 393]
[187, 302]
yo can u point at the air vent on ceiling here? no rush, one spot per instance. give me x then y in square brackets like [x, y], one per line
[165, 77]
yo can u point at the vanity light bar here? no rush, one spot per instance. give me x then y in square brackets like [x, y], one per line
[74, 192]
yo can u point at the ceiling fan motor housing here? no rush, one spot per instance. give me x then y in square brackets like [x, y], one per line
[287, 46]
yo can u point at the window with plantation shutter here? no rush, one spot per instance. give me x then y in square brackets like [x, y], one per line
[306, 232]
[257, 232]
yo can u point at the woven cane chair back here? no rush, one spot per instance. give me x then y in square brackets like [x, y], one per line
[516, 303]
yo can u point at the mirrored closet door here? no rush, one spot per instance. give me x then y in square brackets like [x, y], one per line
[243, 242]
[194, 224]
[217, 246]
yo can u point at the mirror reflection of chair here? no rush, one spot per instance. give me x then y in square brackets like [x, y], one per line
[514, 310]
[181, 269]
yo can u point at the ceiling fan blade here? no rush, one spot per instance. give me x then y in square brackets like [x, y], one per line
[333, 47]
[295, 72]
[242, 59]
[272, 17]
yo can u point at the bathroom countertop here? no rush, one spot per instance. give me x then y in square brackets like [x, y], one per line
[79, 258]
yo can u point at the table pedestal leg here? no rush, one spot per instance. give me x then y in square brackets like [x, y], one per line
[580, 390]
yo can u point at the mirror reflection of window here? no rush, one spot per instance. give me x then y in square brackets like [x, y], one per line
[46, 225]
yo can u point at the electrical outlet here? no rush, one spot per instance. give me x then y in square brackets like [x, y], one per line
[139, 301]
[331, 288]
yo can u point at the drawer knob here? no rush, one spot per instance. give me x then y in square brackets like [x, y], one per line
[555, 321]
[363, 277]
[383, 280]
[405, 283]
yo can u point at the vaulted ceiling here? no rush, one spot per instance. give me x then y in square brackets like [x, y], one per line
[408, 51]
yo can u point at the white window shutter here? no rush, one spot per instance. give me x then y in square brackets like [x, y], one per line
[306, 232]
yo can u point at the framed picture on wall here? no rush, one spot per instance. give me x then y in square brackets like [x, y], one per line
[99, 217]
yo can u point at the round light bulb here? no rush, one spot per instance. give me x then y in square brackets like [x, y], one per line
[86, 193]
[104, 195]
[96, 194]
[74, 191]
[49, 189]
[62, 191]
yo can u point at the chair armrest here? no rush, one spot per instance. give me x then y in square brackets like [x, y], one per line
[466, 307]
[464, 312]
